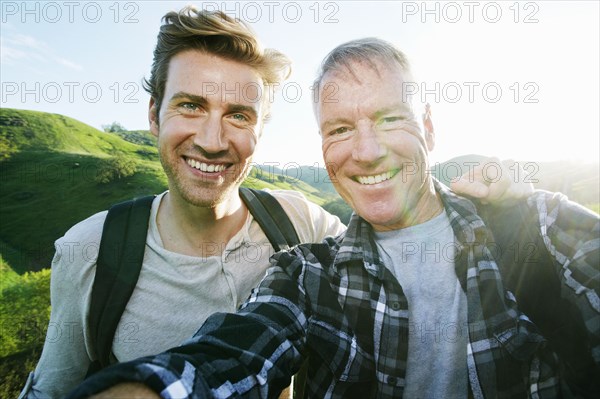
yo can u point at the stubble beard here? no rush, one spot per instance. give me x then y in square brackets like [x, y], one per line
[201, 195]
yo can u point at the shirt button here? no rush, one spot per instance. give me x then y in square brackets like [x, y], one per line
[395, 306]
[392, 380]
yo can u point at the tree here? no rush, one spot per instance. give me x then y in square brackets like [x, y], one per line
[114, 127]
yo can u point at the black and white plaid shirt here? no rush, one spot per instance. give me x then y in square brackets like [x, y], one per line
[337, 303]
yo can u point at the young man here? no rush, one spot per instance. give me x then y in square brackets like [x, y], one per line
[414, 300]
[210, 86]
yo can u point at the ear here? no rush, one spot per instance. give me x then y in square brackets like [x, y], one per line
[153, 117]
[428, 125]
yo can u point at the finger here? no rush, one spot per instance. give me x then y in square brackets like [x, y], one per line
[470, 186]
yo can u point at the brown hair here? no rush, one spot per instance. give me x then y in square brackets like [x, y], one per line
[218, 34]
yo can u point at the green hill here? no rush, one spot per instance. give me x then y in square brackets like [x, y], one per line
[56, 171]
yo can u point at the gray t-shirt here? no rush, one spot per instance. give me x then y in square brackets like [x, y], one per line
[421, 258]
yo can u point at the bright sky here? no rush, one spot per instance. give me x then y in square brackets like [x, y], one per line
[513, 79]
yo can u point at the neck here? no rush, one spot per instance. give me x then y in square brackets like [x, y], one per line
[199, 231]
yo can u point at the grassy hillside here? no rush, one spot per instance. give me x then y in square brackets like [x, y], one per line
[49, 172]
[22, 130]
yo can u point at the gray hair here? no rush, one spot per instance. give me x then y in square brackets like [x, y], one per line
[367, 50]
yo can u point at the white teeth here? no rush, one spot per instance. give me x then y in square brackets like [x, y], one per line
[374, 179]
[204, 167]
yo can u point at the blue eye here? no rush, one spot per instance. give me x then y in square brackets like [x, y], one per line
[240, 117]
[189, 107]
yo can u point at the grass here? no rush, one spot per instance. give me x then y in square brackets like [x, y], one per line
[14, 370]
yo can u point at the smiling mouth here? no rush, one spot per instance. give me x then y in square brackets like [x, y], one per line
[206, 167]
[375, 179]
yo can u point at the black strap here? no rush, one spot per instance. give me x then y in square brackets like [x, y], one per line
[120, 259]
[121, 255]
[271, 218]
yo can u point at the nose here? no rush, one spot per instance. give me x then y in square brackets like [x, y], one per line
[210, 136]
[368, 147]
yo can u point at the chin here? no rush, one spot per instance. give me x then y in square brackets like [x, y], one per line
[380, 217]
[202, 198]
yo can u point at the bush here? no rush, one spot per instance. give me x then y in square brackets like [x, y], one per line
[24, 316]
[115, 168]
[14, 370]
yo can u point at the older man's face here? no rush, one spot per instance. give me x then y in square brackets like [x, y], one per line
[374, 147]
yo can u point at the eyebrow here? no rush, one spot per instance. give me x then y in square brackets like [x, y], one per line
[401, 108]
[182, 95]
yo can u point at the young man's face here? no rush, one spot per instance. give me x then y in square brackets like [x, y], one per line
[210, 121]
[373, 145]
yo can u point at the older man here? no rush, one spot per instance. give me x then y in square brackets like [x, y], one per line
[413, 300]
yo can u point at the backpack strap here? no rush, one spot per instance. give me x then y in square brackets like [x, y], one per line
[280, 231]
[118, 267]
[271, 218]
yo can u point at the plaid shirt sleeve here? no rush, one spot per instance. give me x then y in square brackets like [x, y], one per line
[571, 234]
[232, 354]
